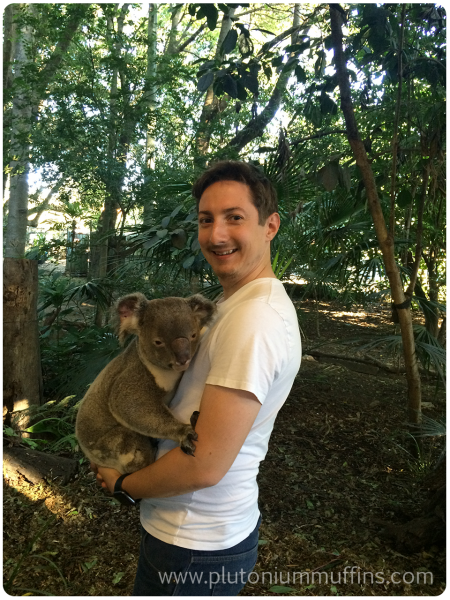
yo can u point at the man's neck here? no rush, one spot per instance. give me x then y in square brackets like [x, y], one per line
[230, 288]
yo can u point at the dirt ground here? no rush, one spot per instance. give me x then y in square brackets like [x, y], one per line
[338, 463]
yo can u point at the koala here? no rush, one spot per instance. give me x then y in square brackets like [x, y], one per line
[127, 404]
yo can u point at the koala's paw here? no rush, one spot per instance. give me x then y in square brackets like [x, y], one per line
[194, 418]
[187, 443]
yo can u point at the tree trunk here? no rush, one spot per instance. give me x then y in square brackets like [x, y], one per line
[37, 466]
[9, 29]
[118, 139]
[211, 104]
[177, 14]
[442, 335]
[255, 128]
[22, 378]
[432, 323]
[150, 100]
[385, 240]
[39, 210]
[16, 228]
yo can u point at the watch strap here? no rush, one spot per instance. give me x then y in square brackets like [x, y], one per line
[121, 495]
[118, 484]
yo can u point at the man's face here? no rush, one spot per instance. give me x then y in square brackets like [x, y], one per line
[231, 239]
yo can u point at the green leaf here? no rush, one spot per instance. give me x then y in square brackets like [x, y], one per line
[205, 81]
[117, 577]
[211, 13]
[291, 63]
[151, 242]
[241, 92]
[45, 426]
[229, 43]
[313, 113]
[179, 238]
[328, 42]
[161, 233]
[195, 245]
[176, 210]
[165, 222]
[192, 9]
[281, 589]
[327, 105]
[298, 48]
[300, 73]
[277, 61]
[319, 65]
[310, 505]
[262, 542]
[205, 67]
[229, 86]
[329, 176]
[188, 262]
[9, 431]
[404, 198]
[250, 82]
[263, 30]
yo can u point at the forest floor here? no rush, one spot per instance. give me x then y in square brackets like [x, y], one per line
[338, 461]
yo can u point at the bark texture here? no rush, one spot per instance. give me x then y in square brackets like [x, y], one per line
[22, 379]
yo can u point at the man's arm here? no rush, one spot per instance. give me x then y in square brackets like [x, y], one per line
[226, 417]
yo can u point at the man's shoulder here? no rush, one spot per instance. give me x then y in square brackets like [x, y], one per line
[264, 302]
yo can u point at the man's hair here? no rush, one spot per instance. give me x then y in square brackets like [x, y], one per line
[262, 192]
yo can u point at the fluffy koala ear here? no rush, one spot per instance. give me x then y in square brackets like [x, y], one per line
[204, 310]
[128, 311]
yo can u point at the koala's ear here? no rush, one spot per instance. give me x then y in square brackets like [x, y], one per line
[204, 310]
[128, 311]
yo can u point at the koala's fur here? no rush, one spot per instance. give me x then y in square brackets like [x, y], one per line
[127, 402]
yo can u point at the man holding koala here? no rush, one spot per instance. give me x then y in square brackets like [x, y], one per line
[200, 514]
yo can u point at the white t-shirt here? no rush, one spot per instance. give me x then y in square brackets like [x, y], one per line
[254, 345]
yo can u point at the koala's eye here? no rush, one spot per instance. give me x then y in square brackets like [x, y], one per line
[193, 336]
[158, 343]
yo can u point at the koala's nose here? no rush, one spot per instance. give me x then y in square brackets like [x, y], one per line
[182, 350]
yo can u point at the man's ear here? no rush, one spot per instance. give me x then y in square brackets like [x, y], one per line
[272, 226]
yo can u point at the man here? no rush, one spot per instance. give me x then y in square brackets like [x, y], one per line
[200, 514]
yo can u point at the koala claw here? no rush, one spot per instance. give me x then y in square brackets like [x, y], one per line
[187, 444]
[194, 418]
[193, 436]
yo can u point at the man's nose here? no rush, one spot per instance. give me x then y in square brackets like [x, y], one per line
[218, 233]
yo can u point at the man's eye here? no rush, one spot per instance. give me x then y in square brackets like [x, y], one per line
[204, 221]
[236, 217]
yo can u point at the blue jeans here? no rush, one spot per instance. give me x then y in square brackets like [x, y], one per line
[168, 570]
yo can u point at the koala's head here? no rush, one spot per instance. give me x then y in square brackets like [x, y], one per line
[168, 328]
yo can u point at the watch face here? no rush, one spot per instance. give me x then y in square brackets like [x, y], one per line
[124, 498]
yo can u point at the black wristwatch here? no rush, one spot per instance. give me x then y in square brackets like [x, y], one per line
[121, 495]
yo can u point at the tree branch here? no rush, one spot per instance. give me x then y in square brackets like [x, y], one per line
[44, 204]
[190, 39]
[316, 135]
[396, 121]
[419, 229]
[255, 128]
[48, 72]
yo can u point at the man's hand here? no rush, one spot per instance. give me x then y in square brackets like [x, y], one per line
[105, 477]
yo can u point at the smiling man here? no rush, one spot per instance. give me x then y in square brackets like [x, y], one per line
[200, 514]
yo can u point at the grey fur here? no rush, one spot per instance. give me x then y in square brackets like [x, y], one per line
[127, 402]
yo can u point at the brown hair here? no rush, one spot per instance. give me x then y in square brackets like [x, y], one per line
[262, 192]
